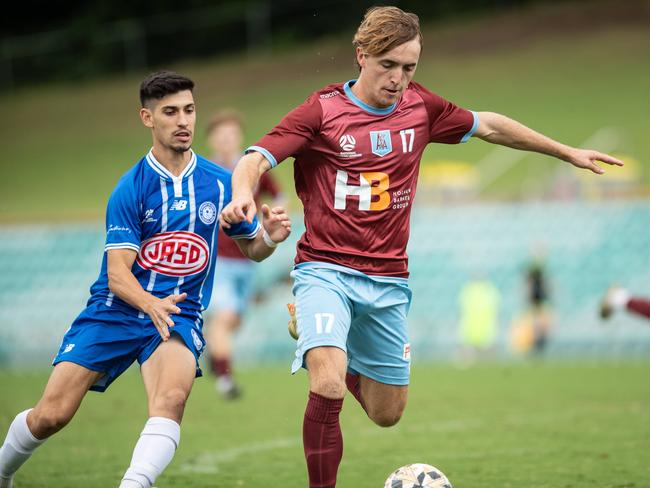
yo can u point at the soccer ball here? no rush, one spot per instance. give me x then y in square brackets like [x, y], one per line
[417, 476]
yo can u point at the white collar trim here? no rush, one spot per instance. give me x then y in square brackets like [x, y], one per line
[164, 172]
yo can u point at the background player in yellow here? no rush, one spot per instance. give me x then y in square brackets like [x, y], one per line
[479, 303]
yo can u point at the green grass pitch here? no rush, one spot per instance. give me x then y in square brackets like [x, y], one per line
[524, 425]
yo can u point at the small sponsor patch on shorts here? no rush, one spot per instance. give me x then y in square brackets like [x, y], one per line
[197, 341]
[407, 352]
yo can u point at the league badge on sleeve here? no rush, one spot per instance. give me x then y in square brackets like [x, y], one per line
[380, 142]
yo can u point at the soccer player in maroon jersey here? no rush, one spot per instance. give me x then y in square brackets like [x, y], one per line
[232, 290]
[618, 298]
[357, 149]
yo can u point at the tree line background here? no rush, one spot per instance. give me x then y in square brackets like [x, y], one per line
[78, 40]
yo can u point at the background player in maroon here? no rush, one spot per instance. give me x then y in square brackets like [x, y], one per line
[232, 291]
[618, 298]
[357, 148]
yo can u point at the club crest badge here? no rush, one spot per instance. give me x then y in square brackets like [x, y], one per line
[208, 213]
[380, 142]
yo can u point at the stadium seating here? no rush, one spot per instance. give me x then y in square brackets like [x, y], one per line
[46, 271]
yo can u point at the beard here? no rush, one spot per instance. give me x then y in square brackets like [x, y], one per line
[180, 148]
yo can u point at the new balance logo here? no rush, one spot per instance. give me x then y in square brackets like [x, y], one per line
[178, 205]
[68, 348]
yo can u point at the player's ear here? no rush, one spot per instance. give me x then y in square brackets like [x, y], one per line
[147, 117]
[361, 57]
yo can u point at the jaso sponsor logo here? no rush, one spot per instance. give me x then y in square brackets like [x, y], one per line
[174, 253]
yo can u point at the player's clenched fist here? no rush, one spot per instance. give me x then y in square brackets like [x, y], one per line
[238, 210]
[160, 311]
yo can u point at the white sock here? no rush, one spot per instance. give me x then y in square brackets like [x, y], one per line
[18, 446]
[224, 384]
[619, 298]
[153, 452]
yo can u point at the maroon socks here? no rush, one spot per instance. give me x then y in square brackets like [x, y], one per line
[354, 387]
[639, 306]
[322, 440]
[220, 367]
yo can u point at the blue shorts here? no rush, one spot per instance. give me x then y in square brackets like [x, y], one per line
[108, 341]
[233, 285]
[362, 315]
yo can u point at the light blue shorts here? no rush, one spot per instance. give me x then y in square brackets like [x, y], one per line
[362, 315]
[233, 285]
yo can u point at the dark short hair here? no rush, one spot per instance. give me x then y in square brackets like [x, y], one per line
[162, 83]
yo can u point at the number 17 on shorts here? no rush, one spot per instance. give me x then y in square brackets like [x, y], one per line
[324, 322]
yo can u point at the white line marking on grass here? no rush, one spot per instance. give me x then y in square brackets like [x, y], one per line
[499, 161]
[604, 139]
[208, 462]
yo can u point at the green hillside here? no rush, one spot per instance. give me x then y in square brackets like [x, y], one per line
[66, 145]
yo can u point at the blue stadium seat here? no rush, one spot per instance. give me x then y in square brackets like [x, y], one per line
[46, 271]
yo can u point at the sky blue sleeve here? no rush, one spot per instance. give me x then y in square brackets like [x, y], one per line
[123, 224]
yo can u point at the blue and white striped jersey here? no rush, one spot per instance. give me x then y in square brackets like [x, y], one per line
[171, 222]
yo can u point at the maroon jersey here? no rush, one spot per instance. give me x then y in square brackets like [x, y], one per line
[356, 169]
[227, 247]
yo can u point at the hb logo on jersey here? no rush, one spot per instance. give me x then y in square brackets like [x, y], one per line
[174, 253]
[371, 190]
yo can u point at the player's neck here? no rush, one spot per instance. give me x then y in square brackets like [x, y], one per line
[359, 91]
[362, 93]
[173, 161]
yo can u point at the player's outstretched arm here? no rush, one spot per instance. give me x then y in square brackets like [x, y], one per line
[499, 129]
[244, 180]
[124, 284]
[276, 227]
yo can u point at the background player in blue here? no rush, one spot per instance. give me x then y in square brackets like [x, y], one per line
[161, 231]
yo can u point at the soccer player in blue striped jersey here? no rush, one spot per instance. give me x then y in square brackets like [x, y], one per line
[155, 280]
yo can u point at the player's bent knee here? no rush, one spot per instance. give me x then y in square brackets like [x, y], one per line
[385, 418]
[329, 386]
[47, 421]
[171, 401]
[386, 413]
